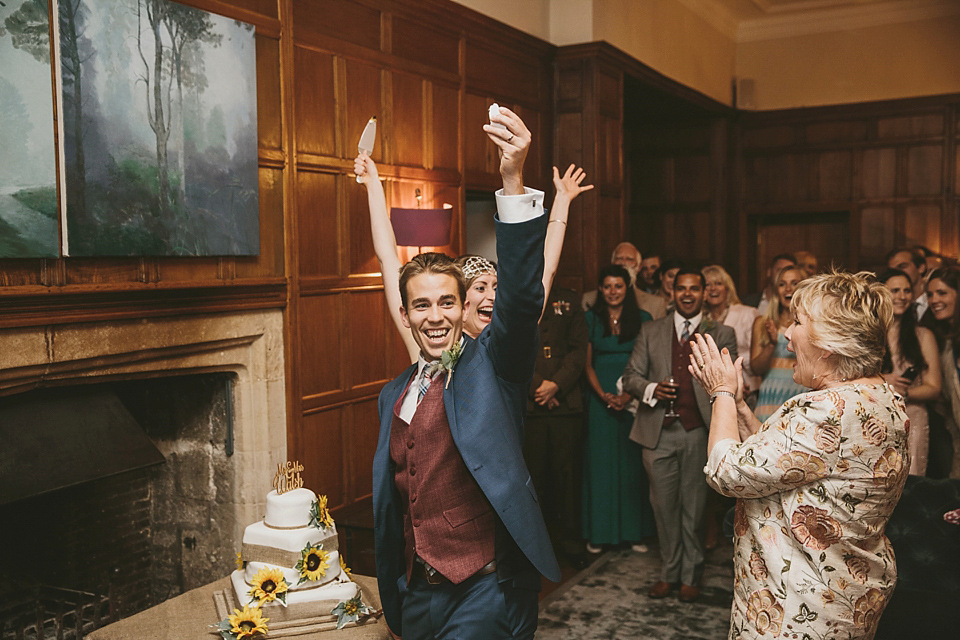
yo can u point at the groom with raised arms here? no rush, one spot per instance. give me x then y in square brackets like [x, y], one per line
[460, 540]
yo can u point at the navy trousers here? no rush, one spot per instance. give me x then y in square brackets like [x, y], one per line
[481, 608]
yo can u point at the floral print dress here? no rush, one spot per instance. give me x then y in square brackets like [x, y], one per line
[815, 487]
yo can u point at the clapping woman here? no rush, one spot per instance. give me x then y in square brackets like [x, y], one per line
[912, 365]
[816, 483]
[616, 503]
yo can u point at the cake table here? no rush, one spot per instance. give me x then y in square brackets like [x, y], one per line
[189, 616]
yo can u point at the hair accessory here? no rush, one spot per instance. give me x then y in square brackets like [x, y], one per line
[476, 266]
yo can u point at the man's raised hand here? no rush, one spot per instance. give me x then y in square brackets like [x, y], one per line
[513, 142]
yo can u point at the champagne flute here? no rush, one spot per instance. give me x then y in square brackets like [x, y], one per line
[671, 411]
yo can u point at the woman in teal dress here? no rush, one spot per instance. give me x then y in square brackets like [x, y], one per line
[616, 495]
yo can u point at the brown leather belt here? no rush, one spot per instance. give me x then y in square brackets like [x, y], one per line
[438, 578]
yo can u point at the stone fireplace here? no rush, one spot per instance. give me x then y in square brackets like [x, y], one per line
[209, 392]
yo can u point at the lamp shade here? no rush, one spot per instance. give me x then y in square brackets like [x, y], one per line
[422, 227]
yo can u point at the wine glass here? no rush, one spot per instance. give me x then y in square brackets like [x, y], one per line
[671, 412]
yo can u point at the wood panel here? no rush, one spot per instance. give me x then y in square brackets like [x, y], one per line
[418, 42]
[925, 170]
[314, 102]
[879, 172]
[444, 128]
[877, 235]
[345, 20]
[360, 445]
[319, 359]
[364, 99]
[317, 224]
[364, 338]
[362, 259]
[322, 436]
[408, 116]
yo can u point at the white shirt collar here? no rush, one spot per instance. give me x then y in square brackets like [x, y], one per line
[678, 321]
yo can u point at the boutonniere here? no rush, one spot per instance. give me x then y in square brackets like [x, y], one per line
[448, 361]
[707, 324]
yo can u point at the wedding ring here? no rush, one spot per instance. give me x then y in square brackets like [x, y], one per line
[510, 138]
[702, 365]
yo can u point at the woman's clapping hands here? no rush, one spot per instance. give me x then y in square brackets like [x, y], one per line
[713, 368]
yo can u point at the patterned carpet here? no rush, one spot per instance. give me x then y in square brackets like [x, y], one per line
[609, 600]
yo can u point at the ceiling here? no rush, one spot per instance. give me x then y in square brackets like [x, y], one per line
[749, 20]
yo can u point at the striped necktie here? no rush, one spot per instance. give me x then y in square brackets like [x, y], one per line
[426, 377]
[685, 336]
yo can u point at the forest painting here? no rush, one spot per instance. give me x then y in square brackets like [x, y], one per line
[28, 176]
[159, 130]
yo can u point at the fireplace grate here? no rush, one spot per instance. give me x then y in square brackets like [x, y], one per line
[52, 613]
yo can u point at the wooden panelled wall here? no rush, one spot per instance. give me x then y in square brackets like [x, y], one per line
[856, 179]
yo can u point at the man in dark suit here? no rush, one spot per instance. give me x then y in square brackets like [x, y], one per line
[553, 447]
[675, 446]
[460, 540]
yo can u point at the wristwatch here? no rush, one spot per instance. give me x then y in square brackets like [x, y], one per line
[721, 393]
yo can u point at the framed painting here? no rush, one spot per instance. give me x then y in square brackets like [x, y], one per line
[28, 167]
[159, 130]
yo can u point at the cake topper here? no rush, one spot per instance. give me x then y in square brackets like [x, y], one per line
[288, 477]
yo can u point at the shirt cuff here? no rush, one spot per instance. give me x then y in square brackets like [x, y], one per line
[648, 398]
[515, 209]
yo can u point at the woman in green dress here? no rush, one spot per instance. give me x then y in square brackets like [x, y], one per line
[616, 500]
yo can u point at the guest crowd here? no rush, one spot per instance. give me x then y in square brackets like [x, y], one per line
[832, 403]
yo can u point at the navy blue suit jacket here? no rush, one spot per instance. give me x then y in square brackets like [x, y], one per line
[485, 403]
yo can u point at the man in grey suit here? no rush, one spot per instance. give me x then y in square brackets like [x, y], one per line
[671, 425]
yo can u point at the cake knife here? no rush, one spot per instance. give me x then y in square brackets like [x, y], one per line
[366, 139]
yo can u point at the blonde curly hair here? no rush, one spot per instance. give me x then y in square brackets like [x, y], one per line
[848, 315]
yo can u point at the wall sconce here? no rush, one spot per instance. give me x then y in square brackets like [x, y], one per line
[422, 227]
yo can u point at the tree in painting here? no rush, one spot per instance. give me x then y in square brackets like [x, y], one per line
[142, 82]
[28, 194]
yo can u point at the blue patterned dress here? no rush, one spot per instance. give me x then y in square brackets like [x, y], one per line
[778, 385]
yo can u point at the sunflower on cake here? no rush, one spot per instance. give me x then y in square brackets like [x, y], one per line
[290, 572]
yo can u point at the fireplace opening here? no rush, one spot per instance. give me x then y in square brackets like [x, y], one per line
[116, 545]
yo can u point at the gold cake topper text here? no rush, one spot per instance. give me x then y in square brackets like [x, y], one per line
[288, 477]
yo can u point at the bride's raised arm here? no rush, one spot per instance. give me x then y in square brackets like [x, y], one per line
[385, 246]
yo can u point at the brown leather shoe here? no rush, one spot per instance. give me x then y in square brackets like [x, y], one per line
[660, 589]
[688, 593]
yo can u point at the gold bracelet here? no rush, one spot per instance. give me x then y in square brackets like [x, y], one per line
[560, 221]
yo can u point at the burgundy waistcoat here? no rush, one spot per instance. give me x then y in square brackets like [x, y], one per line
[447, 520]
[686, 402]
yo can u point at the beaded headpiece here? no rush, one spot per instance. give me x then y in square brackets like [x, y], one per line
[476, 266]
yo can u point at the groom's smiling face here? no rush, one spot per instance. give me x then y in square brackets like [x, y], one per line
[434, 313]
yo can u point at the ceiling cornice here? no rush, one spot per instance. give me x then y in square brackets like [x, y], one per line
[843, 18]
[716, 14]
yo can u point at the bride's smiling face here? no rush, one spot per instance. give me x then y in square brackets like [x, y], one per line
[478, 308]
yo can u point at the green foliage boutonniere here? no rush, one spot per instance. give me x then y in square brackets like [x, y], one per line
[449, 359]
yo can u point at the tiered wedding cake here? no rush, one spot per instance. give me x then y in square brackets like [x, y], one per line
[292, 574]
